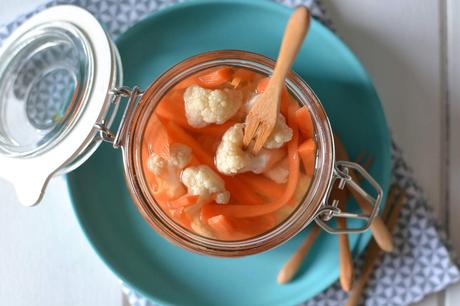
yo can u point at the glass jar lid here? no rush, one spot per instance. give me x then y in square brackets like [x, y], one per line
[56, 71]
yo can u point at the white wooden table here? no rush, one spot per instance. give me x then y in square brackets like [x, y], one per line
[411, 49]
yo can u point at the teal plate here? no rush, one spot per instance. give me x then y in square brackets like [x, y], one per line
[158, 269]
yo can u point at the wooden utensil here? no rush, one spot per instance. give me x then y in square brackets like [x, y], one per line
[262, 117]
[380, 232]
[373, 250]
[292, 266]
[345, 257]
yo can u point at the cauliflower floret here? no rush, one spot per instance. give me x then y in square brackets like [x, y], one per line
[261, 161]
[230, 156]
[205, 106]
[281, 134]
[279, 173]
[168, 169]
[157, 164]
[169, 183]
[223, 197]
[180, 155]
[204, 182]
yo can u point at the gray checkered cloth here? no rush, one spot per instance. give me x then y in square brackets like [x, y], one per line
[422, 262]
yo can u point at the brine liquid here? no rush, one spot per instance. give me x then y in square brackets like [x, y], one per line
[257, 202]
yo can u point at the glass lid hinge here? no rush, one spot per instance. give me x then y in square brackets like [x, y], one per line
[105, 133]
[349, 175]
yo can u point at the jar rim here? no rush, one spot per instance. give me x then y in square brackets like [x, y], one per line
[305, 212]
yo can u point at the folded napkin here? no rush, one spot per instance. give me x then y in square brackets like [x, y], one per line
[422, 262]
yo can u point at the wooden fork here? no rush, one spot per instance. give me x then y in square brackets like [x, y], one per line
[289, 270]
[262, 116]
[345, 258]
[379, 230]
[392, 210]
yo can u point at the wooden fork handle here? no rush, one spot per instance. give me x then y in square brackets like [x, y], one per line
[294, 35]
[346, 263]
[372, 252]
[382, 235]
[379, 230]
[291, 267]
[345, 259]
[372, 255]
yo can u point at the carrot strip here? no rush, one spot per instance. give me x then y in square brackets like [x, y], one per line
[204, 213]
[262, 85]
[156, 188]
[205, 77]
[156, 138]
[161, 141]
[222, 227]
[172, 108]
[216, 78]
[185, 83]
[286, 102]
[244, 74]
[240, 191]
[236, 81]
[301, 190]
[216, 130]
[228, 228]
[304, 122]
[275, 156]
[168, 186]
[177, 134]
[262, 185]
[307, 152]
[246, 211]
[208, 142]
[183, 201]
[174, 113]
[252, 226]
[181, 217]
[284, 212]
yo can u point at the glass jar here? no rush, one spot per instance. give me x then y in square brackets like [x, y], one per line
[314, 205]
[89, 61]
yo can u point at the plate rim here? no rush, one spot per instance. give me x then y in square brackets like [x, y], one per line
[364, 238]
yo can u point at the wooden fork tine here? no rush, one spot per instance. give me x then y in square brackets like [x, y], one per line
[362, 157]
[261, 138]
[364, 160]
[366, 165]
[359, 159]
[252, 122]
